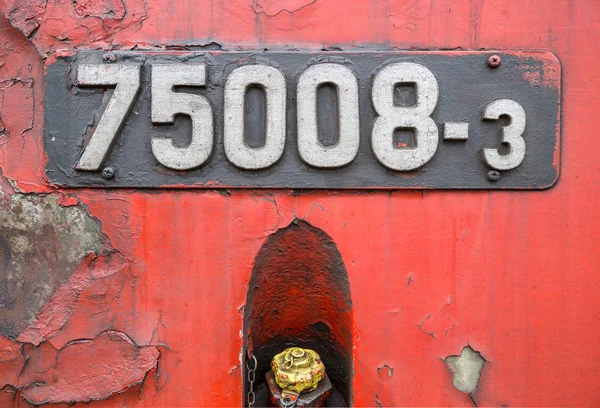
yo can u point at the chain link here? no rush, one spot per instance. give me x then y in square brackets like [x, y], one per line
[251, 378]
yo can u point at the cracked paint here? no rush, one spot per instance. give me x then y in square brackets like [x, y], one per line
[60, 302]
[26, 16]
[407, 15]
[521, 267]
[272, 8]
[105, 9]
[440, 323]
[41, 243]
[63, 24]
[116, 363]
[81, 371]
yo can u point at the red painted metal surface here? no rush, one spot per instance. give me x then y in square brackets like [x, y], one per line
[512, 274]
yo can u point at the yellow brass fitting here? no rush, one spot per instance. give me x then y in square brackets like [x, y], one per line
[297, 370]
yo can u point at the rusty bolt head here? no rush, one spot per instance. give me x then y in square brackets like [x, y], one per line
[493, 175]
[109, 57]
[108, 173]
[494, 61]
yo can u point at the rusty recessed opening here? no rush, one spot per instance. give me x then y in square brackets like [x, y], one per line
[299, 295]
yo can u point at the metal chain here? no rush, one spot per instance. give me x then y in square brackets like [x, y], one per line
[251, 377]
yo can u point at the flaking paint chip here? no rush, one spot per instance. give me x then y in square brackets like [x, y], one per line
[466, 369]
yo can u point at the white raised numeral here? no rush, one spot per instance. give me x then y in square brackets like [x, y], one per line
[272, 81]
[416, 117]
[512, 134]
[346, 85]
[127, 81]
[166, 104]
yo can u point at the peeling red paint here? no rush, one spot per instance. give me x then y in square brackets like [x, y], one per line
[523, 279]
[87, 281]
[81, 371]
[21, 69]
[26, 15]
[85, 369]
[68, 200]
[104, 9]
[65, 24]
[12, 360]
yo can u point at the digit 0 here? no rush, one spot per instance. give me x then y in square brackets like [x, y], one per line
[272, 81]
[311, 150]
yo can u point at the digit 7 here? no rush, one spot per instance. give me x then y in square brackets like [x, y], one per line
[126, 78]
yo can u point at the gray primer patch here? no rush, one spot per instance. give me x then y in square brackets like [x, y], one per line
[41, 245]
[466, 368]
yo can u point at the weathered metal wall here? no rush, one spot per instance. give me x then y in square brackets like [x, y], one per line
[124, 297]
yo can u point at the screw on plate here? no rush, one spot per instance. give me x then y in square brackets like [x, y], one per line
[108, 173]
[494, 61]
[493, 175]
[109, 57]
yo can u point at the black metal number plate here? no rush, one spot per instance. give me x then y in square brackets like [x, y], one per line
[304, 120]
